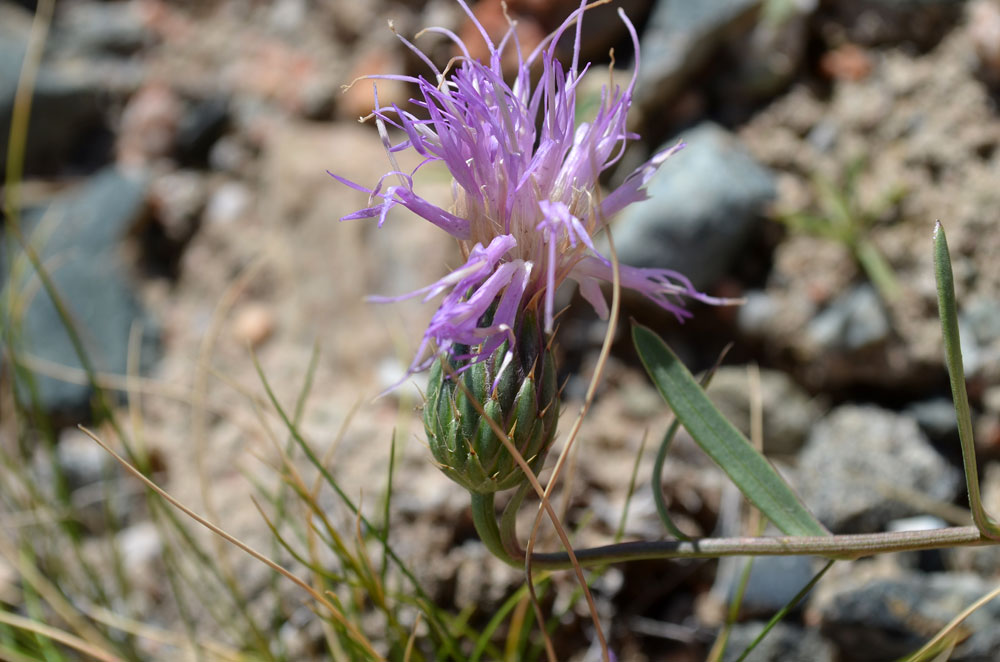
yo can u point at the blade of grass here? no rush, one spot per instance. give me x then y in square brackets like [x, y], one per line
[661, 458]
[359, 638]
[746, 467]
[57, 635]
[784, 611]
[949, 630]
[620, 531]
[434, 616]
[948, 313]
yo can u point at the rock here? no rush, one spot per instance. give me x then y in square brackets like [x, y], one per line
[774, 581]
[936, 418]
[886, 618]
[200, 126]
[784, 643]
[81, 460]
[852, 321]
[853, 459]
[788, 411]
[253, 324]
[100, 28]
[66, 114]
[680, 37]
[149, 125]
[140, 546]
[765, 59]
[984, 33]
[82, 231]
[703, 204]
[228, 203]
[883, 22]
[177, 199]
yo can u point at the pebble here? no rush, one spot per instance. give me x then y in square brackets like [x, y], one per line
[228, 203]
[872, 619]
[149, 125]
[785, 643]
[81, 460]
[253, 324]
[856, 455]
[852, 321]
[89, 272]
[703, 204]
[679, 38]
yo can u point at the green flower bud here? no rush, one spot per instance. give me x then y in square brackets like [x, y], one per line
[521, 396]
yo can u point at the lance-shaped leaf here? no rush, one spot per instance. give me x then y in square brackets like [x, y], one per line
[748, 469]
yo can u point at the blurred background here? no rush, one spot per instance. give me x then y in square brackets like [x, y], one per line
[173, 182]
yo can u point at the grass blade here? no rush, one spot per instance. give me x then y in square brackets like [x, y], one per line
[948, 313]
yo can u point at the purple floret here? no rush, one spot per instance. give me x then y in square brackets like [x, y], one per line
[526, 200]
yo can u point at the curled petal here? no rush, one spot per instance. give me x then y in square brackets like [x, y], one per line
[665, 287]
[633, 189]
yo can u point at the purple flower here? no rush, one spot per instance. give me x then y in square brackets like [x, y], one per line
[526, 201]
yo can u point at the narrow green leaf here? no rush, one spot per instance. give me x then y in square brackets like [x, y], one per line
[748, 469]
[948, 313]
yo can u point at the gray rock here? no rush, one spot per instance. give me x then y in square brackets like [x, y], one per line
[99, 28]
[66, 112]
[884, 619]
[202, 124]
[784, 643]
[679, 38]
[936, 417]
[773, 583]
[983, 318]
[81, 460]
[854, 320]
[81, 250]
[788, 411]
[881, 22]
[704, 202]
[765, 60]
[856, 456]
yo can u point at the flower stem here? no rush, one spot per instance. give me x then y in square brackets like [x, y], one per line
[841, 547]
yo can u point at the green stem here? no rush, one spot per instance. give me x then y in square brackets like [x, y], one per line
[485, 520]
[501, 540]
[846, 547]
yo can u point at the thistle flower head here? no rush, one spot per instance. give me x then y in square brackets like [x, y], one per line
[526, 204]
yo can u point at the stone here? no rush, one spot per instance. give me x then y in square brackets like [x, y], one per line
[784, 643]
[66, 113]
[983, 29]
[853, 459]
[100, 28]
[253, 324]
[936, 418]
[704, 203]
[765, 59]
[921, 23]
[680, 37]
[773, 583]
[78, 236]
[200, 125]
[149, 123]
[81, 460]
[870, 620]
[852, 321]
[788, 410]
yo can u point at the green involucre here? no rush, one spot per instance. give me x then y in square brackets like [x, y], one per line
[524, 404]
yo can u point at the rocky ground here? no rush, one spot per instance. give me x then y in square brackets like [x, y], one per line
[175, 185]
